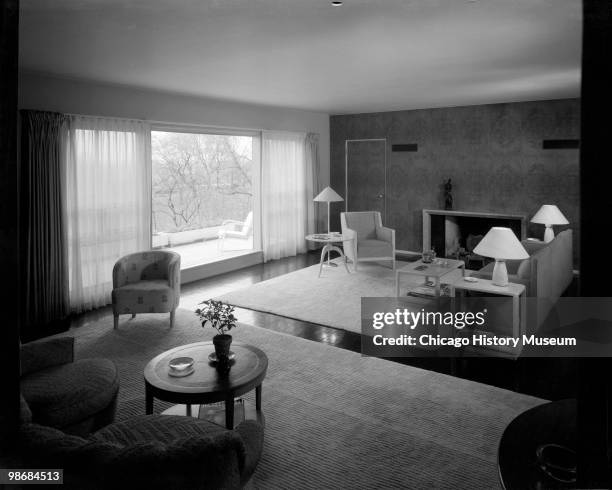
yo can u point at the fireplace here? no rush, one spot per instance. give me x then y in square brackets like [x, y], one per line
[447, 232]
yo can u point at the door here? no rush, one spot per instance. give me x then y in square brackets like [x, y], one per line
[366, 162]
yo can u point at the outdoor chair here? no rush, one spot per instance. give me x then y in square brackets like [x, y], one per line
[236, 229]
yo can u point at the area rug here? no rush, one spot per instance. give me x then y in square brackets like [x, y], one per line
[335, 419]
[334, 299]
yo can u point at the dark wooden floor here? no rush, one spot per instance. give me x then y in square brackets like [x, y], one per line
[546, 378]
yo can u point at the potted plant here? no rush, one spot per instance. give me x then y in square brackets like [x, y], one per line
[221, 317]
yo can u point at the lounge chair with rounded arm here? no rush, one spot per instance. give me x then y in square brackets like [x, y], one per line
[146, 282]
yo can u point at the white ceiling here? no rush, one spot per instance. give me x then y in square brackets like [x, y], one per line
[366, 56]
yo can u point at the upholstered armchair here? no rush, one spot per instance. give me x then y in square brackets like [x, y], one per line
[145, 451]
[236, 229]
[77, 397]
[146, 282]
[370, 240]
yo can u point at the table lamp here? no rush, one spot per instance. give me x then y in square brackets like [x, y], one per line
[328, 195]
[549, 215]
[501, 244]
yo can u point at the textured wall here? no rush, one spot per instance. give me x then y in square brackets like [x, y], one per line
[492, 153]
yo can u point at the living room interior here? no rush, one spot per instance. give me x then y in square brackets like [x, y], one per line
[188, 171]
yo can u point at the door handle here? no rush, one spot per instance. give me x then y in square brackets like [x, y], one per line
[380, 196]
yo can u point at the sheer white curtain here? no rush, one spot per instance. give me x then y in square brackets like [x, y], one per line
[312, 160]
[287, 193]
[108, 193]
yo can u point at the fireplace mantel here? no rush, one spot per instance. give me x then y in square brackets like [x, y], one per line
[428, 213]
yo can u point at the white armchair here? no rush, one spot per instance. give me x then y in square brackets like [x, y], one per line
[370, 240]
[236, 229]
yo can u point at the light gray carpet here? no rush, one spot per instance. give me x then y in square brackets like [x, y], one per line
[335, 419]
[334, 299]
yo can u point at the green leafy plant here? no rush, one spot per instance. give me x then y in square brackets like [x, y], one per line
[218, 315]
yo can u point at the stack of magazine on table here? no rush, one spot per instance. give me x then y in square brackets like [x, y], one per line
[215, 412]
[425, 291]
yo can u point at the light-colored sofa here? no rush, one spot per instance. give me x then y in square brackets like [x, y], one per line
[546, 274]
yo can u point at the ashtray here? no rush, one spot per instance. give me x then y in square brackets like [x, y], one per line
[558, 462]
[180, 364]
[470, 279]
[179, 374]
[212, 357]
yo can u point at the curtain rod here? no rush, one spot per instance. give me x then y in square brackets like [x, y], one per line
[170, 123]
[105, 117]
[177, 126]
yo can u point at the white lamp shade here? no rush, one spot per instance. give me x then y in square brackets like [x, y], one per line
[328, 195]
[549, 214]
[501, 243]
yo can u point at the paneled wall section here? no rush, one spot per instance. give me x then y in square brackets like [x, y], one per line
[492, 153]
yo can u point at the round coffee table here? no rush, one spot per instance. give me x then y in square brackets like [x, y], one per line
[206, 385]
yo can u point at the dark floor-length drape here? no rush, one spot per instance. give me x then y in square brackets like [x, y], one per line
[44, 264]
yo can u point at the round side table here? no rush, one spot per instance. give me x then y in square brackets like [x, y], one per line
[329, 240]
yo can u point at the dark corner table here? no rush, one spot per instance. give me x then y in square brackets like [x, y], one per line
[206, 385]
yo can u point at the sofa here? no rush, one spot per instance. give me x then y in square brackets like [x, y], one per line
[546, 274]
[145, 451]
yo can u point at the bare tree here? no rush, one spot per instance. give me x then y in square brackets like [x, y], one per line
[193, 173]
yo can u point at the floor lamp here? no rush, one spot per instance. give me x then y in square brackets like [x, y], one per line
[328, 195]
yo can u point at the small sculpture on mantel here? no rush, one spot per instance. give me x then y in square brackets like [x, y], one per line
[448, 194]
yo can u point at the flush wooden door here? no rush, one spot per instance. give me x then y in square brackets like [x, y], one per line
[366, 163]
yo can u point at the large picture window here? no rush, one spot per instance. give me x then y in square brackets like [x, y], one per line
[204, 194]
